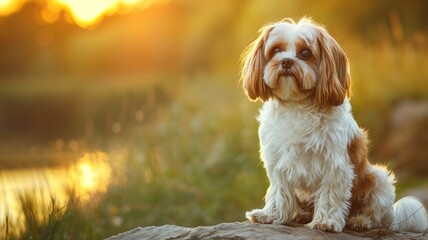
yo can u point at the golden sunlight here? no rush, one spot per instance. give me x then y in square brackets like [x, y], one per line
[9, 6]
[84, 13]
[88, 175]
[91, 174]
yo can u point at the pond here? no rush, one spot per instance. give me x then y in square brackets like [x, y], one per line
[42, 188]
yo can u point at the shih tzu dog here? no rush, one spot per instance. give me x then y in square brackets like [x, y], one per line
[314, 152]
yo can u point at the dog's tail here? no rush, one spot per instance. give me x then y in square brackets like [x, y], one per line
[410, 215]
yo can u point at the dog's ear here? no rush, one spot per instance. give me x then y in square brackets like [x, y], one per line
[253, 62]
[334, 78]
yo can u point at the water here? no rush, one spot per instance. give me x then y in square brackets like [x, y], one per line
[88, 176]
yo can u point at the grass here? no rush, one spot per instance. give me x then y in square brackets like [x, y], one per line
[180, 194]
[41, 220]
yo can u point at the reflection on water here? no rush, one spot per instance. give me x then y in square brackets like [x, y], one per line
[91, 174]
[88, 176]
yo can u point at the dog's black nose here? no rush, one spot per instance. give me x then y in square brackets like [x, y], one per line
[286, 63]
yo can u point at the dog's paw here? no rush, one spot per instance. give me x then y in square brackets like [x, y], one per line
[328, 225]
[303, 217]
[359, 223]
[259, 216]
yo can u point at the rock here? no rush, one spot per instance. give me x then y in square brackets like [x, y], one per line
[248, 231]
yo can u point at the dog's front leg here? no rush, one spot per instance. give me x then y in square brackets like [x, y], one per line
[280, 203]
[331, 204]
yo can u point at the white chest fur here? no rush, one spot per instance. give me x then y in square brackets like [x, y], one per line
[303, 143]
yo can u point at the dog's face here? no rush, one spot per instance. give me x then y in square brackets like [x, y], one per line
[294, 61]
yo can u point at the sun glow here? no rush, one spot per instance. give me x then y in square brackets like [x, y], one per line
[9, 6]
[84, 13]
[92, 174]
[88, 175]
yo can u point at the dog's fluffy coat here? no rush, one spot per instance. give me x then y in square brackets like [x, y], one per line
[314, 152]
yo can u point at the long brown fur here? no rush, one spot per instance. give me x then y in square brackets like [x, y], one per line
[252, 69]
[334, 80]
[364, 182]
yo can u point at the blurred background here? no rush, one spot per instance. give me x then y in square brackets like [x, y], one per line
[116, 114]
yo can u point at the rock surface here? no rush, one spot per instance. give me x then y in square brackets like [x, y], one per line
[246, 230]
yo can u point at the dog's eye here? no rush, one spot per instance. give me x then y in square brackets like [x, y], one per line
[305, 54]
[276, 50]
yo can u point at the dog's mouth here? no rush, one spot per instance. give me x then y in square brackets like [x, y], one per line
[291, 77]
[287, 73]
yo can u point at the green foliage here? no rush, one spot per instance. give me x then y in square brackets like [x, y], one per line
[187, 165]
[50, 220]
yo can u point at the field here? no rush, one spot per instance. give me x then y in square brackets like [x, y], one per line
[179, 135]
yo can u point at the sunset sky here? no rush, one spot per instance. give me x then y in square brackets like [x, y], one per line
[84, 13]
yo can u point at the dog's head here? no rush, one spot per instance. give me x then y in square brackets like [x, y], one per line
[293, 61]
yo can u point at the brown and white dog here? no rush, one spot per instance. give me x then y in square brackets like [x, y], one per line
[314, 152]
